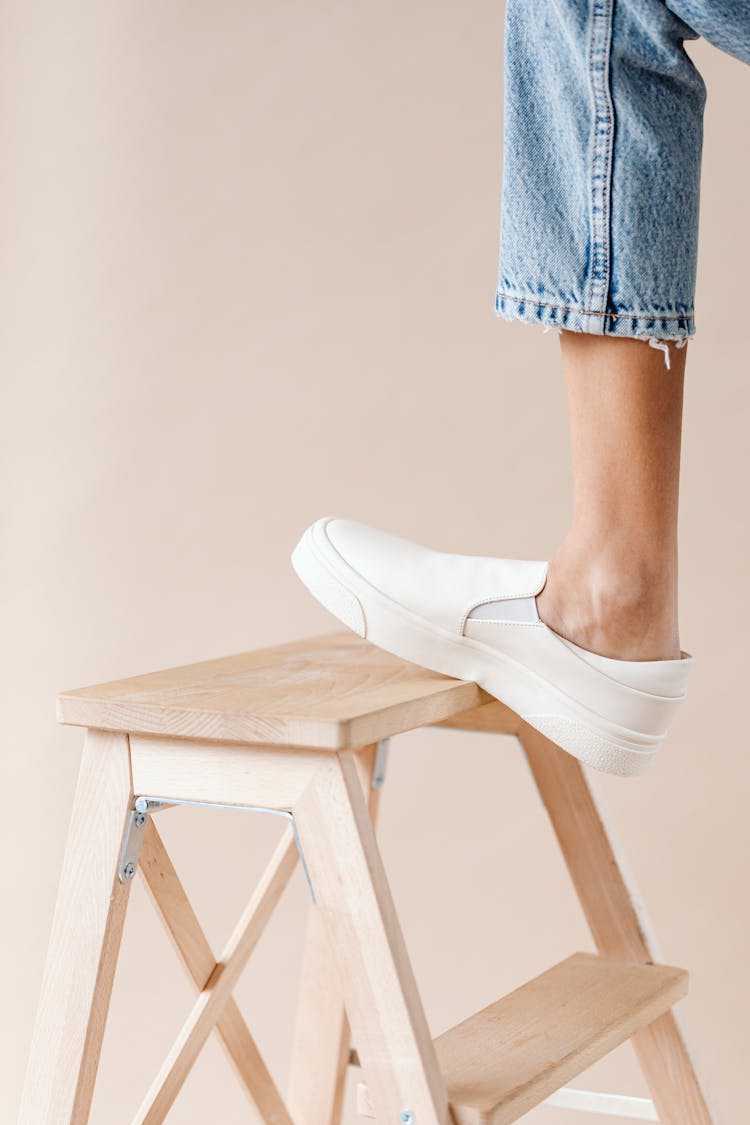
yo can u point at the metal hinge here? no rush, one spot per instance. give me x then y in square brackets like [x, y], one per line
[138, 822]
[381, 759]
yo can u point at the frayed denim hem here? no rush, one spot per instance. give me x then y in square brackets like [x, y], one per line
[639, 325]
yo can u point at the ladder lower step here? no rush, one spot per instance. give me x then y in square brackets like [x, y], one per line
[501, 1062]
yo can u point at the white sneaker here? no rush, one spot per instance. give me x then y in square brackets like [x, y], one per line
[475, 618]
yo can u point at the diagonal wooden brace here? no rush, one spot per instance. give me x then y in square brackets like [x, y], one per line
[194, 951]
[208, 1007]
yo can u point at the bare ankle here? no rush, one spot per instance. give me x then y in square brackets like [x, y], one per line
[629, 614]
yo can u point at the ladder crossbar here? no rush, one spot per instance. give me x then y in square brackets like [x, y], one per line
[596, 1101]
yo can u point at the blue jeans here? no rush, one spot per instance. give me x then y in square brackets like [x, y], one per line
[602, 149]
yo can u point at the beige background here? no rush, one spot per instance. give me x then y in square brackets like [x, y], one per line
[249, 258]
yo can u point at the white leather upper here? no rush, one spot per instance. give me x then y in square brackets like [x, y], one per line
[648, 708]
[418, 602]
[437, 585]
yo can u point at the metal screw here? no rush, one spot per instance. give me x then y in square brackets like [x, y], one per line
[407, 1117]
[128, 870]
[140, 819]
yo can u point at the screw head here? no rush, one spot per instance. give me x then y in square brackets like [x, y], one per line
[128, 870]
[140, 819]
[407, 1117]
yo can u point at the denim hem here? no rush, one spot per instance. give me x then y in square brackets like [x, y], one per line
[615, 323]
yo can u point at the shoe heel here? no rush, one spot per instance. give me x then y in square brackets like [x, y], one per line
[592, 748]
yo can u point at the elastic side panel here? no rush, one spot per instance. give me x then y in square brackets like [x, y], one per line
[506, 609]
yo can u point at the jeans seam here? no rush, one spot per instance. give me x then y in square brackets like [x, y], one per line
[592, 312]
[598, 285]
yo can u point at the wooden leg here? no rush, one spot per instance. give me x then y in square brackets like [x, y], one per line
[84, 943]
[384, 1008]
[322, 1040]
[617, 929]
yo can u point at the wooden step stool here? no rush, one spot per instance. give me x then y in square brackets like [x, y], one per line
[301, 730]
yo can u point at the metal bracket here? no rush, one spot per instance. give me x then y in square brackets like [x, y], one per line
[144, 806]
[381, 759]
[131, 845]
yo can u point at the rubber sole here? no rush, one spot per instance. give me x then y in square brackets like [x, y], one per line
[586, 735]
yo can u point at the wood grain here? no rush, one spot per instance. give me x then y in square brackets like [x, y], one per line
[504, 1060]
[187, 770]
[377, 981]
[330, 692]
[493, 718]
[84, 942]
[321, 1046]
[501, 1062]
[617, 925]
[192, 947]
[218, 988]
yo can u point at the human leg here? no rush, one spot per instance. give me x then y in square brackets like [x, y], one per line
[601, 171]
[599, 237]
[612, 583]
[603, 138]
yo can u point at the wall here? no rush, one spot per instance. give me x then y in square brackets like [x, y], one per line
[249, 259]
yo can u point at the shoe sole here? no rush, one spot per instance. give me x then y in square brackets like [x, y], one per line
[603, 745]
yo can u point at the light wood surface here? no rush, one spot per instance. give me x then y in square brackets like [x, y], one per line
[321, 1044]
[186, 770]
[84, 942]
[501, 1062]
[507, 1058]
[194, 951]
[493, 718]
[273, 729]
[330, 692]
[218, 988]
[617, 925]
[377, 981]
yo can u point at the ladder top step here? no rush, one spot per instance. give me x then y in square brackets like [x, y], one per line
[331, 692]
[510, 1056]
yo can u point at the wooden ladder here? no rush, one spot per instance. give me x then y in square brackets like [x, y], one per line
[301, 730]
